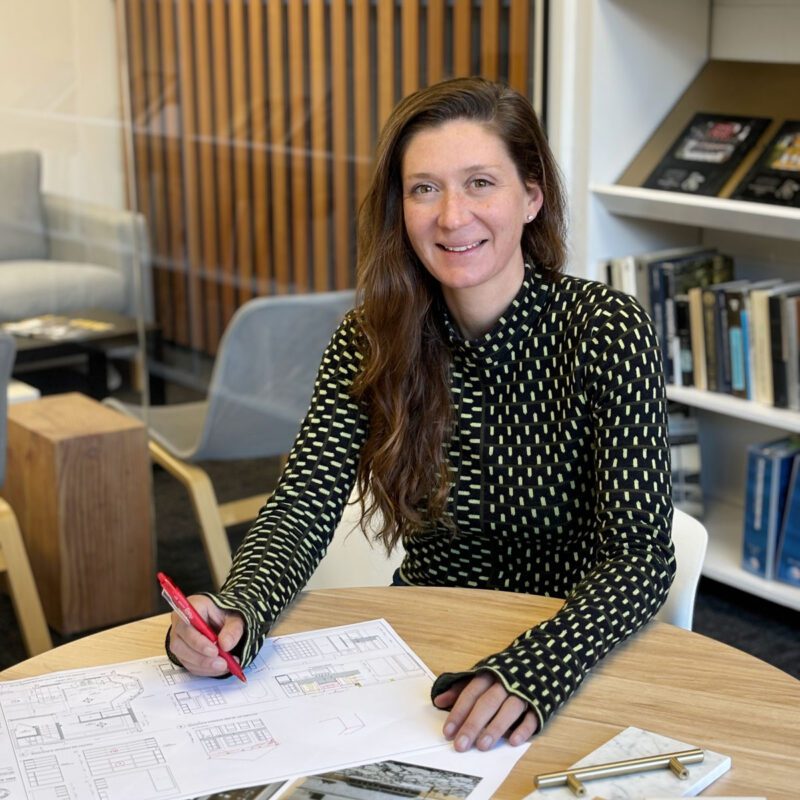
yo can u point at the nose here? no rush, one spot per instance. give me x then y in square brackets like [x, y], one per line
[454, 210]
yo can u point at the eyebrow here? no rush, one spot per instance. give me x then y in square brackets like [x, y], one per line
[474, 168]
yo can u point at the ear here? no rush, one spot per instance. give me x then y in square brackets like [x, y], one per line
[535, 200]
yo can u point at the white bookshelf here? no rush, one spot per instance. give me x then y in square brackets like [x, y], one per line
[758, 219]
[736, 408]
[724, 555]
[617, 69]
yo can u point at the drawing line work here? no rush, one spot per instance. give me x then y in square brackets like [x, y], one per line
[147, 730]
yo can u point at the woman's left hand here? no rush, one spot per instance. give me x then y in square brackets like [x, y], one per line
[482, 712]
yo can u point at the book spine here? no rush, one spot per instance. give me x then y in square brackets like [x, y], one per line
[698, 337]
[710, 333]
[787, 560]
[657, 301]
[762, 356]
[747, 344]
[723, 342]
[734, 302]
[790, 334]
[754, 534]
[643, 285]
[683, 339]
[780, 397]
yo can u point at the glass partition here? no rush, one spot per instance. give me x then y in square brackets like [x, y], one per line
[164, 161]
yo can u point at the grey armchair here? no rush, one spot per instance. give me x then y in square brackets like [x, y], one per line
[59, 255]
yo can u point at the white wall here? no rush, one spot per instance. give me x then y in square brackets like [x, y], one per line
[60, 93]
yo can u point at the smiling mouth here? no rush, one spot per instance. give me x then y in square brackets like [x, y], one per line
[462, 249]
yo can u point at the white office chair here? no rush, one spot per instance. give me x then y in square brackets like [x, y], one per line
[690, 539]
[353, 561]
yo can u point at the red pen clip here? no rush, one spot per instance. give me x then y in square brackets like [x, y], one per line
[184, 609]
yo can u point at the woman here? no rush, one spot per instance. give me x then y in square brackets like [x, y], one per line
[507, 422]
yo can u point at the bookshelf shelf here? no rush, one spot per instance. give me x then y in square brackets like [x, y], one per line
[724, 556]
[758, 219]
[736, 407]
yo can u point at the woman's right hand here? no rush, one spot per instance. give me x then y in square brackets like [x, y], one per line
[193, 650]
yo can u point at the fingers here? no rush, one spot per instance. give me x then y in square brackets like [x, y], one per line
[484, 712]
[193, 649]
[447, 698]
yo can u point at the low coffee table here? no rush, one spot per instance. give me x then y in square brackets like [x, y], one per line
[95, 345]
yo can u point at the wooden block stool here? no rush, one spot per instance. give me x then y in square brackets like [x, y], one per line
[79, 481]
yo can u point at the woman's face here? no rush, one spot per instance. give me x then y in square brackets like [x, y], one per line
[464, 207]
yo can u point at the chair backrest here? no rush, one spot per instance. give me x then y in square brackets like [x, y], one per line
[264, 373]
[22, 225]
[8, 350]
[690, 539]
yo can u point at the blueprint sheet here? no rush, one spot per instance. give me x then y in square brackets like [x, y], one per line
[147, 730]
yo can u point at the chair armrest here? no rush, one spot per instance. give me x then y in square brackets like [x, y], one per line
[93, 234]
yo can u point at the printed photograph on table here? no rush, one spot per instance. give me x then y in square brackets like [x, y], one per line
[775, 177]
[382, 781]
[262, 792]
[706, 154]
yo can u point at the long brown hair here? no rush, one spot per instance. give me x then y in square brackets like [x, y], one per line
[403, 473]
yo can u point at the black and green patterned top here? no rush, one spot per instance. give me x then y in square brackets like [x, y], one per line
[561, 483]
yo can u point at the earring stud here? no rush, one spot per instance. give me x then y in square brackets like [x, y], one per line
[530, 218]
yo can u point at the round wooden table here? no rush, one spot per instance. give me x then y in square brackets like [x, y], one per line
[665, 679]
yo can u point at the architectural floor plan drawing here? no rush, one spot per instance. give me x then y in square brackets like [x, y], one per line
[146, 730]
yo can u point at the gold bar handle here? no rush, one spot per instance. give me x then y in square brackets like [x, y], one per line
[573, 777]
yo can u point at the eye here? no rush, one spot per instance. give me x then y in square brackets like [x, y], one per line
[481, 183]
[421, 188]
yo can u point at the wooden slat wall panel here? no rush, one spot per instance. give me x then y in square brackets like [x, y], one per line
[462, 37]
[519, 44]
[490, 39]
[362, 95]
[240, 134]
[184, 231]
[297, 140]
[220, 293]
[410, 61]
[255, 123]
[340, 157]
[262, 232]
[434, 44]
[211, 195]
[277, 139]
[318, 113]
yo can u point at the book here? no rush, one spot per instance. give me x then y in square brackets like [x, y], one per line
[670, 272]
[775, 177]
[55, 327]
[706, 154]
[759, 328]
[781, 329]
[638, 743]
[701, 270]
[697, 334]
[715, 330]
[769, 468]
[787, 559]
[737, 302]
[684, 445]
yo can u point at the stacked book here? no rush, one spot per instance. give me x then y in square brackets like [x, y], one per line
[738, 337]
[771, 541]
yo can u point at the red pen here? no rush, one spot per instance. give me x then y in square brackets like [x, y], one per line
[175, 597]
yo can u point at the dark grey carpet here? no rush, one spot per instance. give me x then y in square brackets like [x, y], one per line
[767, 631]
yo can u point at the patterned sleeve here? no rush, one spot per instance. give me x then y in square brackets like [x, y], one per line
[293, 530]
[620, 364]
